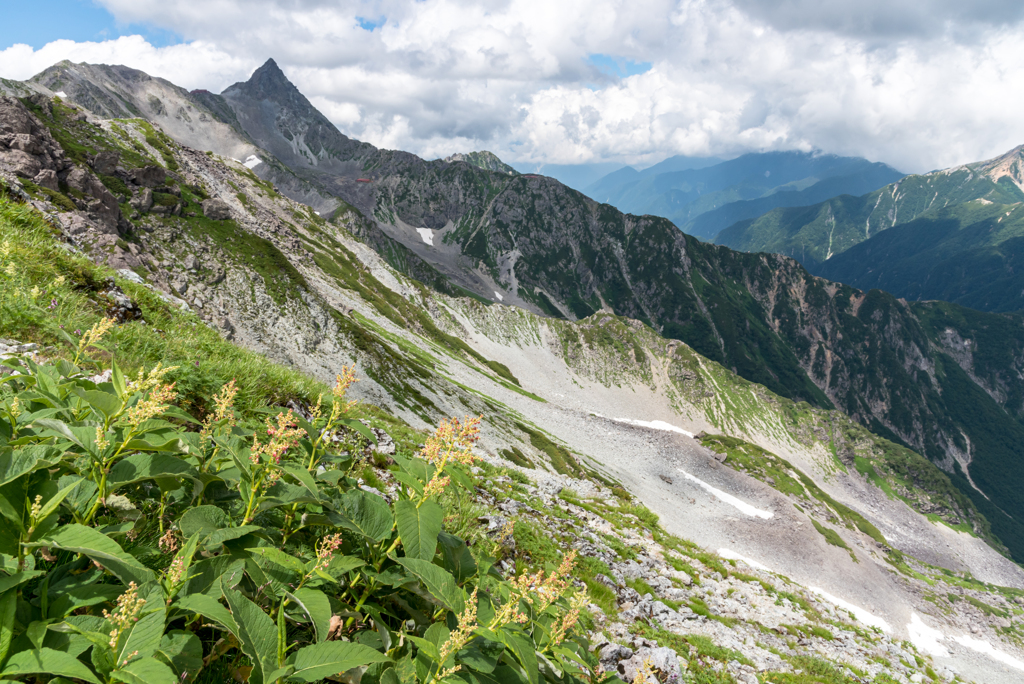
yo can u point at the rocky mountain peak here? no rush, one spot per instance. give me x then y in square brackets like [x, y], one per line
[485, 160]
[1010, 165]
[270, 83]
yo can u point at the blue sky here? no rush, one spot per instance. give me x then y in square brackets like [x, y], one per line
[38, 22]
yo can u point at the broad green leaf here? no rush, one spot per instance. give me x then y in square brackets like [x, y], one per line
[104, 402]
[313, 663]
[425, 646]
[203, 520]
[523, 648]
[145, 635]
[49, 662]
[439, 583]
[482, 654]
[18, 578]
[365, 513]
[117, 379]
[359, 427]
[100, 548]
[419, 527]
[416, 467]
[182, 650]
[173, 446]
[14, 464]
[303, 476]
[210, 608]
[317, 606]
[61, 428]
[280, 557]
[144, 671]
[51, 505]
[256, 633]
[456, 557]
[8, 602]
[219, 537]
[139, 467]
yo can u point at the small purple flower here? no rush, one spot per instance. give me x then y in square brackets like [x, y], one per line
[53, 304]
[77, 331]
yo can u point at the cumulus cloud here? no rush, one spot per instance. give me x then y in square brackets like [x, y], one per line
[919, 86]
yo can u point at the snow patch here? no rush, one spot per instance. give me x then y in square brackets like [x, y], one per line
[729, 554]
[427, 235]
[654, 425]
[61, 94]
[858, 612]
[926, 639]
[498, 295]
[742, 506]
[986, 648]
[252, 161]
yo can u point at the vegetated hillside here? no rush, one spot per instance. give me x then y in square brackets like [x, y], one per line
[816, 233]
[532, 242]
[704, 197]
[970, 254]
[275, 277]
[485, 160]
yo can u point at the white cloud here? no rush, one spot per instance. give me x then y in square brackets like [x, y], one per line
[920, 89]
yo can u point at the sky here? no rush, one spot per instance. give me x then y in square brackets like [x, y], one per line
[918, 85]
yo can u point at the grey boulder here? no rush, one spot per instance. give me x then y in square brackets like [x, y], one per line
[216, 209]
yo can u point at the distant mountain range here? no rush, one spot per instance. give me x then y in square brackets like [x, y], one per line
[954, 235]
[705, 195]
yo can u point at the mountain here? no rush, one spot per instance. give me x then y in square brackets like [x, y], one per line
[901, 369]
[484, 160]
[576, 176]
[970, 254]
[703, 196]
[578, 413]
[816, 233]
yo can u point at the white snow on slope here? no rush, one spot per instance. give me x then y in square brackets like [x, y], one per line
[742, 506]
[858, 612]
[654, 425]
[252, 161]
[926, 639]
[427, 235]
[61, 94]
[986, 648]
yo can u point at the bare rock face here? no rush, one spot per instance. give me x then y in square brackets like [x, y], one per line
[101, 205]
[149, 176]
[47, 178]
[216, 209]
[105, 163]
[143, 200]
[26, 147]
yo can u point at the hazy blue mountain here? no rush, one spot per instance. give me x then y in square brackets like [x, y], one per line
[685, 189]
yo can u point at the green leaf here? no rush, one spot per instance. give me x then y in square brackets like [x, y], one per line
[203, 520]
[482, 654]
[139, 467]
[18, 578]
[210, 608]
[62, 429]
[416, 467]
[8, 602]
[304, 478]
[456, 557]
[144, 671]
[426, 646]
[317, 606]
[145, 635]
[106, 403]
[117, 379]
[364, 513]
[49, 662]
[439, 583]
[313, 663]
[256, 633]
[281, 558]
[174, 446]
[100, 548]
[19, 462]
[182, 650]
[359, 427]
[523, 648]
[419, 527]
